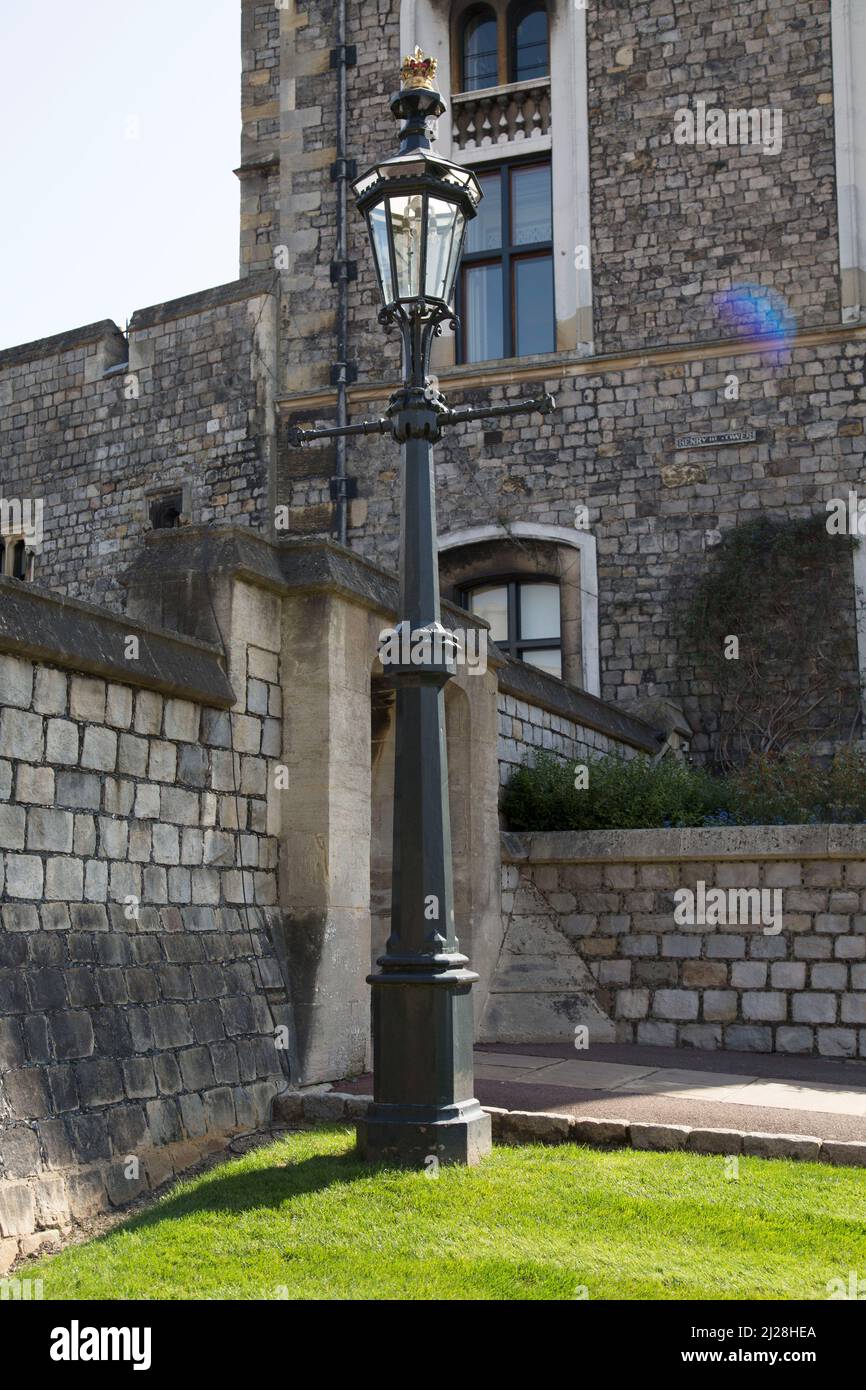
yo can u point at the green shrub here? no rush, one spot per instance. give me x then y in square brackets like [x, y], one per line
[622, 794]
[637, 793]
[791, 789]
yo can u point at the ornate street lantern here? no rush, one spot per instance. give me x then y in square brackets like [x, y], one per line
[417, 205]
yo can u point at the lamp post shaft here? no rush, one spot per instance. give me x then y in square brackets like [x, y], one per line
[423, 1105]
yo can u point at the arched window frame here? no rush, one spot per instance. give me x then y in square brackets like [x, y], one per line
[16, 558]
[507, 18]
[470, 12]
[581, 658]
[519, 10]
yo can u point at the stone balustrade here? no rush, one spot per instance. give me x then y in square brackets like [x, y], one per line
[506, 115]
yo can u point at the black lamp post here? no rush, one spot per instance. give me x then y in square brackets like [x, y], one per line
[417, 206]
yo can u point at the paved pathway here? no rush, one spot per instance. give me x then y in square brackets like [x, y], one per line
[729, 1090]
[795, 1095]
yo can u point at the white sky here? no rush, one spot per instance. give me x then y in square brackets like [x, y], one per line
[119, 131]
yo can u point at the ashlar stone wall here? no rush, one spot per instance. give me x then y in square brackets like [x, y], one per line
[603, 904]
[140, 997]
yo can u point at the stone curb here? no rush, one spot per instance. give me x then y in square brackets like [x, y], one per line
[529, 1126]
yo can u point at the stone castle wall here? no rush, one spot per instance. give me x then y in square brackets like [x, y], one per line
[96, 425]
[676, 225]
[211, 380]
[538, 714]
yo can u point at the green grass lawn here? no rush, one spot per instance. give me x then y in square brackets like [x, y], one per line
[302, 1218]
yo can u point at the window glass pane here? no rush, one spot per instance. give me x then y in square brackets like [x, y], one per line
[483, 312]
[533, 306]
[443, 222]
[491, 604]
[484, 232]
[531, 217]
[379, 234]
[480, 58]
[406, 230]
[19, 561]
[530, 46]
[547, 659]
[539, 611]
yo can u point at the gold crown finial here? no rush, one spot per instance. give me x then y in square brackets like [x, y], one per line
[418, 71]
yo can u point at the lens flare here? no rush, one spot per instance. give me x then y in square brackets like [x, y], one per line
[756, 311]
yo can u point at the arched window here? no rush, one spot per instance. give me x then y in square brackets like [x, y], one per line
[479, 48]
[528, 42]
[475, 563]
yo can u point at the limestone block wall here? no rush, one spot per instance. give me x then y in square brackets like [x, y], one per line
[676, 230]
[139, 990]
[599, 908]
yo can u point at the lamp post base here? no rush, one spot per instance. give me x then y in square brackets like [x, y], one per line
[397, 1134]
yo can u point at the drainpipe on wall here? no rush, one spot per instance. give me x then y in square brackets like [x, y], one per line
[343, 271]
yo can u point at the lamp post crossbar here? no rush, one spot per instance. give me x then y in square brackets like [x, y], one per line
[297, 437]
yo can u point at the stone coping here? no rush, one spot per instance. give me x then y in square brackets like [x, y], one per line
[306, 566]
[103, 331]
[537, 688]
[321, 1105]
[260, 282]
[82, 637]
[712, 842]
[313, 565]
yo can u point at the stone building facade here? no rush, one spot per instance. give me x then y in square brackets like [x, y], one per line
[196, 742]
[700, 289]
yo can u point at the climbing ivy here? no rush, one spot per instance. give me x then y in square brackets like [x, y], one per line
[783, 589]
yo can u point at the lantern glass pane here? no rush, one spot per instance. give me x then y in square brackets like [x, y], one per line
[442, 220]
[454, 258]
[379, 239]
[407, 229]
